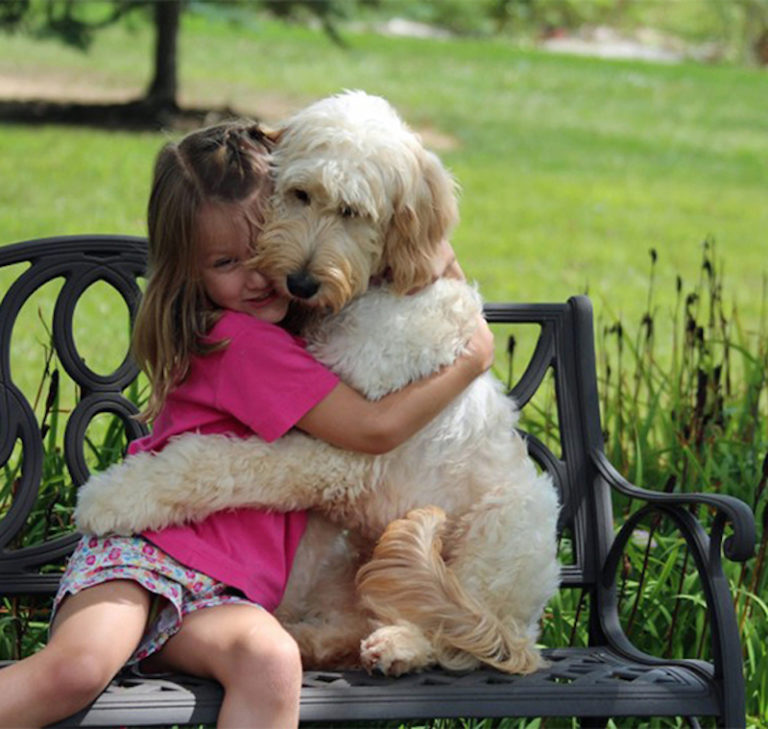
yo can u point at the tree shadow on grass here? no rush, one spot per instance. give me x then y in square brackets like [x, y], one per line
[139, 115]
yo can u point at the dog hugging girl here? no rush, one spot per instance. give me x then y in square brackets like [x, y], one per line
[198, 598]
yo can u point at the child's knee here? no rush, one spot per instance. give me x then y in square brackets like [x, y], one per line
[77, 679]
[272, 659]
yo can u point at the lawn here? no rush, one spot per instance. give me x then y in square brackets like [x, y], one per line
[572, 169]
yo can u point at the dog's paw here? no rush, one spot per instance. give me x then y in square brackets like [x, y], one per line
[104, 506]
[396, 649]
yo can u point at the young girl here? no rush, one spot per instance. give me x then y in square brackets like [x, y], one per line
[198, 598]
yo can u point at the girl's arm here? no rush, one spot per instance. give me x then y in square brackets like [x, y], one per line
[445, 264]
[196, 475]
[344, 418]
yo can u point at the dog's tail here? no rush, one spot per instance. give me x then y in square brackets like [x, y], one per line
[408, 579]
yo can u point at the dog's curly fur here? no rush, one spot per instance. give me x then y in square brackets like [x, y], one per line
[455, 529]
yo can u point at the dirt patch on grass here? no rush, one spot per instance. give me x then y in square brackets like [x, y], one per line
[59, 87]
[436, 140]
[52, 99]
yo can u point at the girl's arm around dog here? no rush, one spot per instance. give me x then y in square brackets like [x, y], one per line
[196, 475]
[349, 421]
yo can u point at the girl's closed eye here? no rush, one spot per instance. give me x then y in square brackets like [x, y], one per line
[226, 262]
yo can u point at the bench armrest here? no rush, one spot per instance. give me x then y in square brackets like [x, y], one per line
[706, 551]
[739, 546]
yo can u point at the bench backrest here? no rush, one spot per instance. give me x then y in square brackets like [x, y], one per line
[564, 350]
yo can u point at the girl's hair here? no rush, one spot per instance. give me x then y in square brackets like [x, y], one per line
[225, 163]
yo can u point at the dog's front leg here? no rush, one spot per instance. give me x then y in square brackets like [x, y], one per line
[196, 475]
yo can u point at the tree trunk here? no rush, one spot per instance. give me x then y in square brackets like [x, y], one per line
[161, 94]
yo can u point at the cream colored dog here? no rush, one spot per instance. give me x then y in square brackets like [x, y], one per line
[464, 525]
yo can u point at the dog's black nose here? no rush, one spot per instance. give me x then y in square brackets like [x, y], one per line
[302, 284]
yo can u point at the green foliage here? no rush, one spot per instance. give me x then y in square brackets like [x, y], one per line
[685, 406]
[74, 23]
[24, 620]
[692, 420]
[731, 29]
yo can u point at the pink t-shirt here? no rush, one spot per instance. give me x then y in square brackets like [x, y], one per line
[262, 383]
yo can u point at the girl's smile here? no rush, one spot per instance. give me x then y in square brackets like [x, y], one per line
[263, 300]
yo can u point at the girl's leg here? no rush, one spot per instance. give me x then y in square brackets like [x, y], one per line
[94, 633]
[248, 652]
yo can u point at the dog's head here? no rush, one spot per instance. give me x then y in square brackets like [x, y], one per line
[356, 196]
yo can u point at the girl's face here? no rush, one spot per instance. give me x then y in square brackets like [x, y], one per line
[223, 248]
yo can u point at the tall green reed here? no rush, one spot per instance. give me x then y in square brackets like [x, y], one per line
[690, 416]
[684, 401]
[24, 620]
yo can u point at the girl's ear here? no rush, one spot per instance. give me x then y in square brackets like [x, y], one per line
[423, 217]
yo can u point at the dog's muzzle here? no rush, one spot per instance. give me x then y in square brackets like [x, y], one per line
[302, 284]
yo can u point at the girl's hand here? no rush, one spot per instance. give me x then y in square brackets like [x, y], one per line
[444, 265]
[481, 347]
[344, 418]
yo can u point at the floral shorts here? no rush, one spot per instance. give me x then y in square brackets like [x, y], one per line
[178, 590]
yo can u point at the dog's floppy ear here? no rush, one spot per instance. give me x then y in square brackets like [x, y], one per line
[423, 216]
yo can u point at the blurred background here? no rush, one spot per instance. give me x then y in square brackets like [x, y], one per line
[584, 133]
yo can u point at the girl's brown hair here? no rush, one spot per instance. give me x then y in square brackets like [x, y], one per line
[224, 163]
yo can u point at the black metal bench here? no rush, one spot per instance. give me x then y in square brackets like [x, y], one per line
[609, 677]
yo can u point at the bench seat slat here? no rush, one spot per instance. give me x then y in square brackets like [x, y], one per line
[578, 681]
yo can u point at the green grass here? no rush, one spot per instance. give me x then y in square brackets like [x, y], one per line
[571, 168]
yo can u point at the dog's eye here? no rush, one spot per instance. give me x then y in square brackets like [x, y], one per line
[302, 196]
[347, 212]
